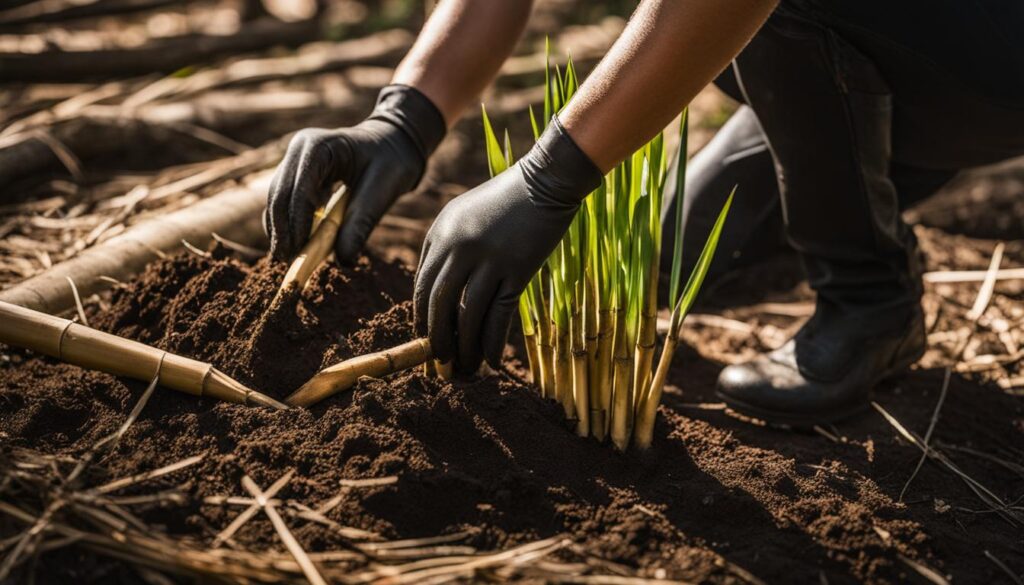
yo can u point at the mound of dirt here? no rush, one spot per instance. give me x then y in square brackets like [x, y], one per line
[714, 499]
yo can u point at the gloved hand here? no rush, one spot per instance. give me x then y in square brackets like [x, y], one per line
[379, 159]
[486, 244]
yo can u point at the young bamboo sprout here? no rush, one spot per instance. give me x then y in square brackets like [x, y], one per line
[682, 299]
[318, 248]
[89, 348]
[589, 315]
[344, 375]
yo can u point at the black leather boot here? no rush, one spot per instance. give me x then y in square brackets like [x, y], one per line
[827, 115]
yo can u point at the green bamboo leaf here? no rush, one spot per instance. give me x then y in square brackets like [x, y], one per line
[509, 159]
[677, 249]
[548, 109]
[571, 81]
[495, 159]
[533, 125]
[701, 269]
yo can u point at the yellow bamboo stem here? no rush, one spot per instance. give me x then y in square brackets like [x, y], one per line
[605, 345]
[533, 358]
[546, 351]
[95, 350]
[590, 336]
[580, 389]
[344, 375]
[563, 373]
[643, 431]
[644, 356]
[319, 246]
[444, 370]
[622, 382]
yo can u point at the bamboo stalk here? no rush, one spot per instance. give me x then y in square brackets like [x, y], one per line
[533, 357]
[545, 348]
[580, 387]
[319, 246]
[563, 373]
[605, 345]
[344, 375]
[443, 370]
[647, 410]
[590, 337]
[89, 348]
[646, 337]
[622, 382]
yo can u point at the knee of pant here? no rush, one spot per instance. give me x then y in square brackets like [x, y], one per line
[796, 23]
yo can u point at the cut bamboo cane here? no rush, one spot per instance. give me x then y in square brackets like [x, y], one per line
[319, 246]
[86, 347]
[344, 375]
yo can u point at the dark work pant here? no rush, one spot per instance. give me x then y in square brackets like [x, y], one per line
[809, 72]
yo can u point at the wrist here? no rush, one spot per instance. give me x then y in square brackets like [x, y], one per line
[412, 112]
[557, 170]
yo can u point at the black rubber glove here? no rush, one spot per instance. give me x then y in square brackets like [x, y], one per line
[379, 159]
[486, 244]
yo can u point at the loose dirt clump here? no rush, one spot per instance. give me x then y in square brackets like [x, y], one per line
[715, 499]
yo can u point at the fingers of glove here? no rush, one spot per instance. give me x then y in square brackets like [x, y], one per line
[276, 214]
[426, 274]
[443, 310]
[311, 190]
[496, 322]
[476, 299]
[377, 190]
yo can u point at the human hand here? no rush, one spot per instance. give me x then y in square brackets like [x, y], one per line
[379, 159]
[486, 244]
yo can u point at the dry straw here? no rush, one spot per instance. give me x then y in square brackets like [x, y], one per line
[86, 347]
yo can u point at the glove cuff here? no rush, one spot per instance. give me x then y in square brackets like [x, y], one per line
[412, 112]
[557, 170]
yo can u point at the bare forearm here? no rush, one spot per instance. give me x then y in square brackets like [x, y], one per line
[461, 49]
[669, 51]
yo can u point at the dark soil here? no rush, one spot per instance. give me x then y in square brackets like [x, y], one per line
[715, 499]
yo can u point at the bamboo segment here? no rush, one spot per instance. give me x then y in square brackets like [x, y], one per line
[319, 246]
[644, 357]
[344, 375]
[622, 382]
[547, 359]
[563, 374]
[443, 370]
[605, 345]
[533, 357]
[647, 410]
[580, 387]
[89, 348]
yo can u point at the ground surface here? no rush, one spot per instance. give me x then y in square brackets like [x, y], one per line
[715, 499]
